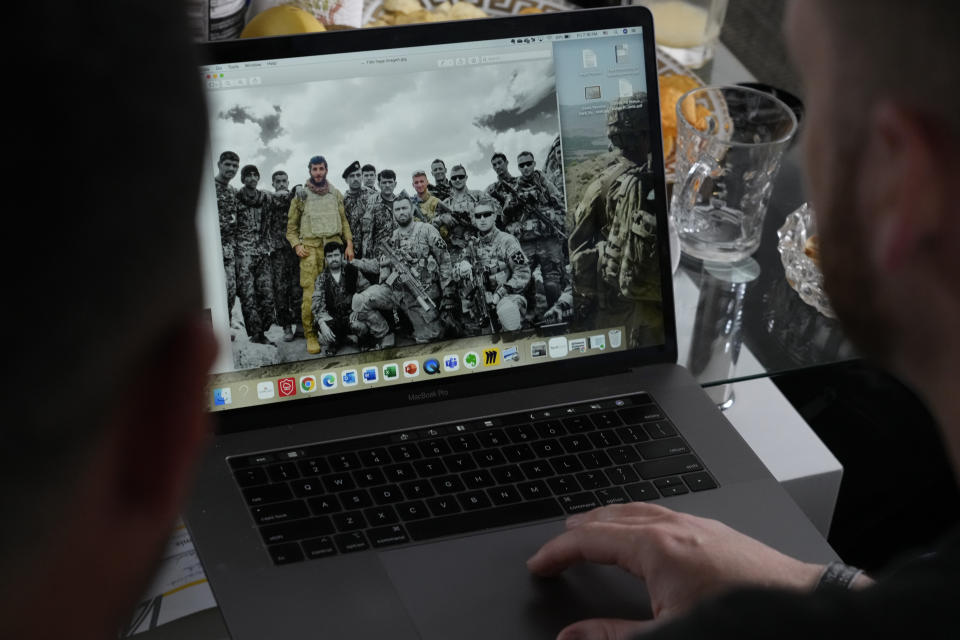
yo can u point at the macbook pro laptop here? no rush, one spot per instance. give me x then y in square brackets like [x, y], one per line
[490, 363]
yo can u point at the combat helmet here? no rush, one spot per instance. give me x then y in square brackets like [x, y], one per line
[628, 125]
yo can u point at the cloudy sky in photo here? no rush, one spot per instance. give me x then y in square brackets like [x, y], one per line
[400, 121]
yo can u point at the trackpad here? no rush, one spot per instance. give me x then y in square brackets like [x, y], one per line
[479, 587]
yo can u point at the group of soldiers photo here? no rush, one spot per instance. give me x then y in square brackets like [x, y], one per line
[370, 267]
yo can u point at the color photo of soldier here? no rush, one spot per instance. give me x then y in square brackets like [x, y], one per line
[613, 243]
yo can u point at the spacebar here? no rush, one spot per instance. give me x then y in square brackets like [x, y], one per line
[485, 519]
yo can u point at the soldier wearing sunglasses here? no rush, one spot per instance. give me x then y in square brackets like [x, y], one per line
[495, 264]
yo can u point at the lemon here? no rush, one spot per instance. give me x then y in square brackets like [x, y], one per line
[280, 21]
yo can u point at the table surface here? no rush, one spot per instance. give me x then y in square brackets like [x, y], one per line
[750, 323]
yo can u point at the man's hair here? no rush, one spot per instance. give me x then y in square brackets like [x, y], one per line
[436, 160]
[367, 168]
[458, 166]
[273, 178]
[890, 51]
[318, 160]
[332, 246]
[393, 205]
[419, 172]
[99, 307]
[525, 153]
[487, 201]
[247, 170]
[389, 174]
[499, 154]
[229, 155]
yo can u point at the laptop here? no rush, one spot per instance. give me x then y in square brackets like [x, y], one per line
[488, 363]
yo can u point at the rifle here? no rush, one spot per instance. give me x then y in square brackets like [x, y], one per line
[527, 207]
[409, 280]
[480, 288]
[462, 217]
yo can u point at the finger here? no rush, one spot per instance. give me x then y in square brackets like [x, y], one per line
[599, 542]
[605, 629]
[614, 512]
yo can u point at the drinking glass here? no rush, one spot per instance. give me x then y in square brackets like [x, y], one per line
[688, 29]
[730, 142]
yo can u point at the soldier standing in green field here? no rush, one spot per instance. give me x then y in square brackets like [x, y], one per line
[316, 217]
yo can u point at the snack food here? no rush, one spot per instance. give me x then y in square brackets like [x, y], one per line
[672, 86]
[281, 20]
[397, 12]
[812, 249]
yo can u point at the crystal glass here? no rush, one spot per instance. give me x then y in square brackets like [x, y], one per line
[688, 29]
[730, 142]
[799, 252]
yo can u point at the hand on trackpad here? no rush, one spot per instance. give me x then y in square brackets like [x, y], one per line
[480, 587]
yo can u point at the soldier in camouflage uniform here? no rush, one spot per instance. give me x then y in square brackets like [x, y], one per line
[504, 189]
[378, 222]
[355, 205]
[424, 202]
[562, 309]
[613, 246]
[441, 187]
[454, 218]
[283, 261]
[227, 211]
[317, 216]
[553, 167]
[415, 277]
[254, 276]
[492, 277]
[333, 293]
[537, 220]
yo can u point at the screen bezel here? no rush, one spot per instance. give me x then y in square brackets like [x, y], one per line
[358, 40]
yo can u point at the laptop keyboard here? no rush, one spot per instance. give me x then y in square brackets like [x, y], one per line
[374, 492]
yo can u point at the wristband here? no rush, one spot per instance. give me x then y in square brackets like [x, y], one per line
[837, 575]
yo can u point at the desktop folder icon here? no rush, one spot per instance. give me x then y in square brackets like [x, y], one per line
[491, 357]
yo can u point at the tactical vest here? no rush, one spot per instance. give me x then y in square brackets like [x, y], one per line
[321, 215]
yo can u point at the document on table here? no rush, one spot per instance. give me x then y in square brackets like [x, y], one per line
[179, 587]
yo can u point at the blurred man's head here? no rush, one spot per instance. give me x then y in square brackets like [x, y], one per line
[526, 163]
[227, 165]
[318, 169]
[281, 181]
[420, 183]
[402, 211]
[881, 135]
[118, 320]
[458, 177]
[250, 176]
[439, 170]
[387, 179]
[369, 173]
[333, 253]
[484, 216]
[499, 163]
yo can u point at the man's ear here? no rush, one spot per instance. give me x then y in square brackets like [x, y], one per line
[902, 186]
[162, 426]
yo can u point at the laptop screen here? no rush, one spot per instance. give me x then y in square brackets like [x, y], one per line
[386, 217]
